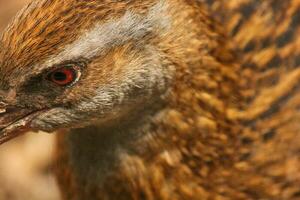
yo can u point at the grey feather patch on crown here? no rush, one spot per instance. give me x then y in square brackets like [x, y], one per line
[103, 37]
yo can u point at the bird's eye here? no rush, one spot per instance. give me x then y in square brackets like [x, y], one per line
[64, 76]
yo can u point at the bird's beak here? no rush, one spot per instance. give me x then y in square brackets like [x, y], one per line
[14, 122]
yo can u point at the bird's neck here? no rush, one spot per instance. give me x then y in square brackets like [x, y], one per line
[94, 154]
[96, 151]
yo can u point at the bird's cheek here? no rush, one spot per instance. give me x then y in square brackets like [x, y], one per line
[54, 119]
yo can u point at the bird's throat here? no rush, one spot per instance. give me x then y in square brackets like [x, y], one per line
[97, 153]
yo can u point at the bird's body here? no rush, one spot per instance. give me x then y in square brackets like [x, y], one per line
[165, 101]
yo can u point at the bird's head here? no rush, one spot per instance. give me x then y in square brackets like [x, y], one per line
[66, 64]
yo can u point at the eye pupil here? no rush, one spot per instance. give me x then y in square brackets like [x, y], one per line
[59, 76]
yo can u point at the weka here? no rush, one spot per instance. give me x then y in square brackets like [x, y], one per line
[159, 99]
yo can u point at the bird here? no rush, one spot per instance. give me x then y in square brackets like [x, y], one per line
[159, 99]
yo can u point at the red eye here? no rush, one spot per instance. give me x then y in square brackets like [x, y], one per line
[63, 76]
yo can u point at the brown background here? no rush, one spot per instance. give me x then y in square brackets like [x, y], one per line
[25, 163]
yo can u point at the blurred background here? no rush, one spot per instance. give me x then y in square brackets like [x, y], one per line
[25, 163]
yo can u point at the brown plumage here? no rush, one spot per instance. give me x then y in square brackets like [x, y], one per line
[173, 99]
